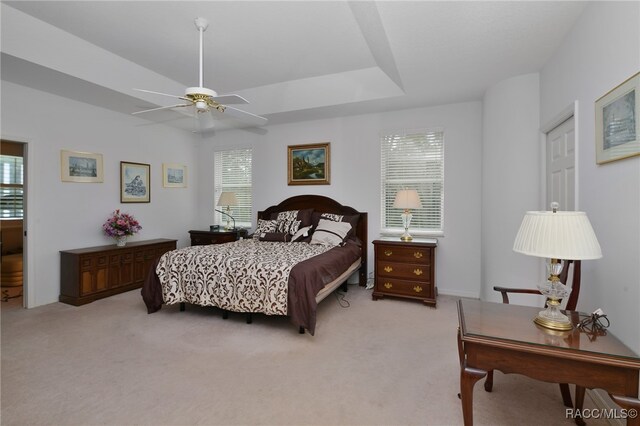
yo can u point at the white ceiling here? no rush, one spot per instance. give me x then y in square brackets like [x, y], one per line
[292, 60]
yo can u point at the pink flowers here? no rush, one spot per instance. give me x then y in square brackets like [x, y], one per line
[121, 224]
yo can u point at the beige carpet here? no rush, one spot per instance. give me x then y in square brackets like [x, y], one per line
[388, 362]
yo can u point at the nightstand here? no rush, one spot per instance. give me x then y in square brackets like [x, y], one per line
[203, 238]
[405, 269]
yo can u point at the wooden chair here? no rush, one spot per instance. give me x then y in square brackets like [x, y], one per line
[571, 306]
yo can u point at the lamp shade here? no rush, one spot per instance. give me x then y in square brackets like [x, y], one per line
[565, 235]
[407, 199]
[227, 199]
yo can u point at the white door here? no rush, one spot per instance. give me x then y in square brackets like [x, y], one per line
[561, 165]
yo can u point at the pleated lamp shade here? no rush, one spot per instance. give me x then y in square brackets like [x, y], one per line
[228, 199]
[407, 199]
[565, 235]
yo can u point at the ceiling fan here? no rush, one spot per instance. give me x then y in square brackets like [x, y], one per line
[206, 103]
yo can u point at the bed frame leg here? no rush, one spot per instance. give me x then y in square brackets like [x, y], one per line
[225, 314]
[345, 286]
[182, 306]
[249, 318]
[301, 330]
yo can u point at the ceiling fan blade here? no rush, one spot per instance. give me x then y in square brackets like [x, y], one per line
[230, 99]
[160, 108]
[163, 94]
[244, 116]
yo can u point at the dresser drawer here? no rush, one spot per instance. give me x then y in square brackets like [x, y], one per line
[410, 271]
[404, 254]
[404, 287]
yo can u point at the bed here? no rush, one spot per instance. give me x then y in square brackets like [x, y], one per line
[266, 274]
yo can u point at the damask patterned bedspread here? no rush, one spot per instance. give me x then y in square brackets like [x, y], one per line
[243, 276]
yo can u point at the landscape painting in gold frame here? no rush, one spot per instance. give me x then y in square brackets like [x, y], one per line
[309, 164]
[618, 122]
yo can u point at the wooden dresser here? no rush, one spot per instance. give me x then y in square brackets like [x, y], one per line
[405, 269]
[93, 273]
[203, 238]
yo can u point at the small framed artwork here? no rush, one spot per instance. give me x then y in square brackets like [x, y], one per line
[174, 175]
[618, 122]
[309, 164]
[135, 185]
[84, 167]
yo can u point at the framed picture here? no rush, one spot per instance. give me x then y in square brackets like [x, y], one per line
[174, 175]
[309, 164]
[618, 122]
[135, 185]
[84, 167]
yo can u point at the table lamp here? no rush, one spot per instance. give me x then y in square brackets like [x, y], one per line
[557, 235]
[228, 199]
[407, 199]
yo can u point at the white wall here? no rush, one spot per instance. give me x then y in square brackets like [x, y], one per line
[600, 52]
[70, 215]
[510, 184]
[355, 176]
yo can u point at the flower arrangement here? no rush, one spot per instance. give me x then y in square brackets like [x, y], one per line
[120, 225]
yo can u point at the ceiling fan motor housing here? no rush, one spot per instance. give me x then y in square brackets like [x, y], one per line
[202, 98]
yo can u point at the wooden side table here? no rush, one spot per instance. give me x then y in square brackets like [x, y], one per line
[496, 336]
[203, 238]
[405, 269]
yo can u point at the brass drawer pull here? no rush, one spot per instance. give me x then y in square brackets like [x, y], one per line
[417, 289]
[388, 252]
[388, 269]
[388, 285]
[417, 271]
[417, 254]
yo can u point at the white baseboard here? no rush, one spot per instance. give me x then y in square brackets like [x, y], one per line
[602, 402]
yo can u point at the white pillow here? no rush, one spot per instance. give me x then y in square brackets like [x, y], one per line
[301, 233]
[330, 233]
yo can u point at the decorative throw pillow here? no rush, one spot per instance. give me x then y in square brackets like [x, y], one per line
[264, 226]
[282, 237]
[301, 234]
[330, 233]
[351, 219]
[290, 221]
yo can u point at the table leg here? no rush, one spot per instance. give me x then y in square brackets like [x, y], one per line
[468, 378]
[632, 405]
[579, 404]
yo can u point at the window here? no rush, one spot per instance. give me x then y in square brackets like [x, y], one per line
[233, 174]
[413, 160]
[11, 187]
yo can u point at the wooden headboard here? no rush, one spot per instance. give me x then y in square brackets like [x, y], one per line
[326, 205]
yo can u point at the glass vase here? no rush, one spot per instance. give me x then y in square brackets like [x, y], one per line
[121, 241]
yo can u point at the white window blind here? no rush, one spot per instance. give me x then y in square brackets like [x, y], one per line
[233, 174]
[11, 187]
[413, 160]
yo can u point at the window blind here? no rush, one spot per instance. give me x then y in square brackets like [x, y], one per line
[232, 173]
[11, 187]
[413, 160]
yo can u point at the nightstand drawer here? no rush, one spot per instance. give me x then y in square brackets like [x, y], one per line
[404, 254]
[403, 287]
[409, 271]
[203, 238]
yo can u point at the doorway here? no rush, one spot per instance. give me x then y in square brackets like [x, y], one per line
[12, 214]
[561, 165]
